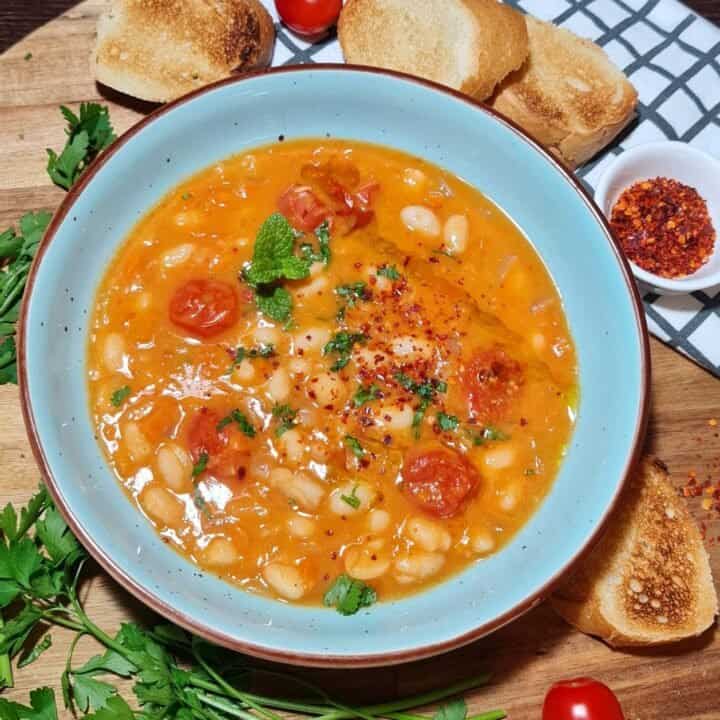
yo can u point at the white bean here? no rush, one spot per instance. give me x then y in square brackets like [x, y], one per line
[316, 268]
[414, 178]
[482, 542]
[279, 385]
[301, 527]
[358, 493]
[174, 467]
[291, 444]
[316, 286]
[243, 373]
[313, 338]
[455, 233]
[285, 580]
[393, 418]
[417, 218]
[266, 336]
[381, 283]
[114, 352]
[299, 487]
[419, 565]
[177, 255]
[499, 458]
[509, 499]
[162, 506]
[298, 366]
[326, 389]
[429, 535]
[408, 346]
[365, 563]
[378, 521]
[136, 443]
[220, 552]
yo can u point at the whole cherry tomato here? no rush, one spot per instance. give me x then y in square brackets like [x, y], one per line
[204, 307]
[581, 699]
[309, 18]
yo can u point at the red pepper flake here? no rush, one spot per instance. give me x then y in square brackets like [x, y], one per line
[664, 227]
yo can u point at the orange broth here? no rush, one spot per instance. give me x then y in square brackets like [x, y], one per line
[465, 355]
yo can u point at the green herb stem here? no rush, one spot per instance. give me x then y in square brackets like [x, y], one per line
[6, 673]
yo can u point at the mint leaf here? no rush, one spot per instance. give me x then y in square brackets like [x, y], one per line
[348, 595]
[273, 255]
[276, 303]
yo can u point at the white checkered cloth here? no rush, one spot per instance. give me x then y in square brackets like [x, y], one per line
[672, 57]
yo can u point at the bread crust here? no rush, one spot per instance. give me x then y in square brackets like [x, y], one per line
[469, 45]
[158, 50]
[648, 581]
[568, 94]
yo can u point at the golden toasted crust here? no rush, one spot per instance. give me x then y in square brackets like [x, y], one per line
[160, 49]
[469, 45]
[568, 94]
[648, 581]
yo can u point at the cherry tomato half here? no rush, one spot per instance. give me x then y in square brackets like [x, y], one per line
[491, 379]
[310, 18]
[204, 307]
[438, 480]
[581, 699]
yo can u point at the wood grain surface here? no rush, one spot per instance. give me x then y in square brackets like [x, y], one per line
[679, 682]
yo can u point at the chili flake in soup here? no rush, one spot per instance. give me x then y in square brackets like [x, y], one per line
[326, 359]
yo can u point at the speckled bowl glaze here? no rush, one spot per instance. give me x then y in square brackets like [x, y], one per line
[420, 118]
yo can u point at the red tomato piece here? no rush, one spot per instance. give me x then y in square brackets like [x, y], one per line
[491, 380]
[310, 18]
[302, 208]
[204, 436]
[439, 481]
[204, 307]
[581, 699]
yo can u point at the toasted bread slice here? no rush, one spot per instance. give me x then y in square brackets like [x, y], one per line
[468, 45]
[648, 581]
[568, 94]
[160, 49]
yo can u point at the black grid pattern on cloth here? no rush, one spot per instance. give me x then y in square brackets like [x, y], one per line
[649, 112]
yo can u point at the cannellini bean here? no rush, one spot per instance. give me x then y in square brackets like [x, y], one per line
[298, 366]
[417, 218]
[365, 563]
[429, 535]
[393, 418]
[243, 373]
[311, 339]
[285, 580]
[455, 233]
[419, 565]
[408, 346]
[381, 283]
[279, 385]
[500, 457]
[301, 527]
[414, 178]
[509, 499]
[314, 287]
[299, 486]
[326, 389]
[174, 467]
[482, 542]
[378, 521]
[364, 493]
[291, 444]
[220, 552]
[114, 352]
[320, 451]
[162, 506]
[316, 268]
[266, 336]
[136, 442]
[177, 255]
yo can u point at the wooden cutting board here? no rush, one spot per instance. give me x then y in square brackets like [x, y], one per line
[680, 682]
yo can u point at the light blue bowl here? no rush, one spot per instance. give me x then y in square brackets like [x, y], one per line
[424, 120]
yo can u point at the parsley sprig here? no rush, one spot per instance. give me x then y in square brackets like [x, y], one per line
[426, 391]
[365, 394]
[286, 416]
[263, 351]
[174, 675]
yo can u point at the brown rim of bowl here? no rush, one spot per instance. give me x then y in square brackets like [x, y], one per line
[314, 659]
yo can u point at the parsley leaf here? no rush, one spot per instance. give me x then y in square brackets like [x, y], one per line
[366, 394]
[447, 422]
[354, 444]
[322, 233]
[201, 465]
[275, 302]
[238, 417]
[35, 653]
[488, 434]
[287, 416]
[348, 595]
[389, 271]
[42, 707]
[120, 396]
[352, 499]
[352, 292]
[91, 694]
[264, 351]
[88, 135]
[426, 391]
[342, 344]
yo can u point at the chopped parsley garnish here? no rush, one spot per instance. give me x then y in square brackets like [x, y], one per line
[352, 292]
[352, 499]
[88, 135]
[365, 394]
[120, 396]
[238, 417]
[529, 471]
[354, 444]
[201, 465]
[389, 271]
[426, 391]
[322, 233]
[286, 415]
[186, 195]
[342, 344]
[446, 422]
[348, 595]
[487, 434]
[28, 56]
[264, 351]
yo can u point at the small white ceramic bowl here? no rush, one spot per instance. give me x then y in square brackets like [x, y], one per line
[680, 162]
